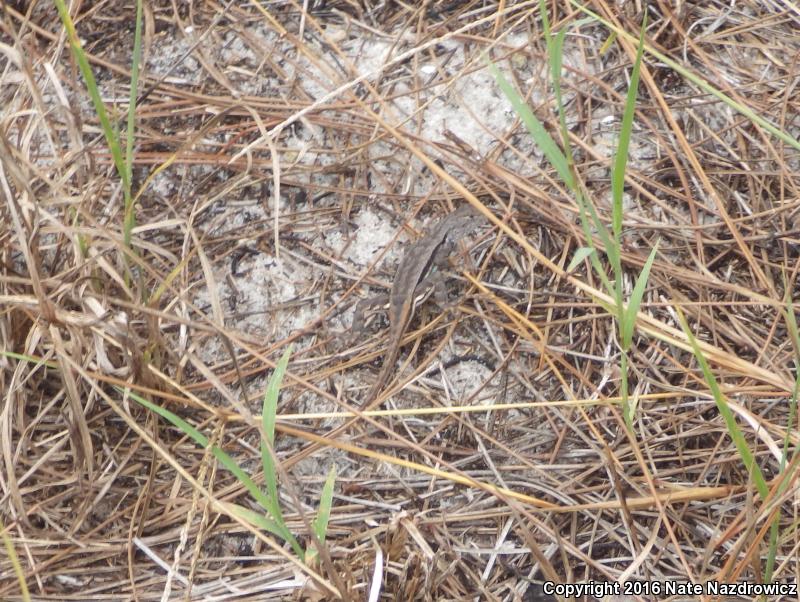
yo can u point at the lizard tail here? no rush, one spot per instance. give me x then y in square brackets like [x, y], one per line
[380, 381]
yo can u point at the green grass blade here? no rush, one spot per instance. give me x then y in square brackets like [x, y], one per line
[254, 490]
[555, 53]
[30, 359]
[545, 22]
[94, 93]
[621, 159]
[134, 91]
[176, 420]
[269, 410]
[580, 255]
[25, 595]
[254, 518]
[609, 244]
[727, 415]
[540, 136]
[130, 216]
[629, 317]
[320, 523]
[794, 334]
[201, 440]
[276, 527]
[602, 232]
[628, 408]
[697, 80]
[269, 407]
[556, 62]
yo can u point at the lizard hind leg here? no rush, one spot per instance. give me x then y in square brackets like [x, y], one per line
[440, 294]
[360, 315]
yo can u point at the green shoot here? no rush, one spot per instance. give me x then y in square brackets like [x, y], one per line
[591, 223]
[794, 333]
[15, 564]
[727, 414]
[122, 164]
[273, 520]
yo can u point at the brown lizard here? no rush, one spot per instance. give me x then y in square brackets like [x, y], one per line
[412, 285]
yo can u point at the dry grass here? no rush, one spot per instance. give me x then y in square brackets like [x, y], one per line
[538, 479]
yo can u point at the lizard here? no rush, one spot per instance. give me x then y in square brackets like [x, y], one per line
[412, 284]
[411, 277]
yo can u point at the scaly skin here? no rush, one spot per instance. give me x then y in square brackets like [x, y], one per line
[431, 250]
